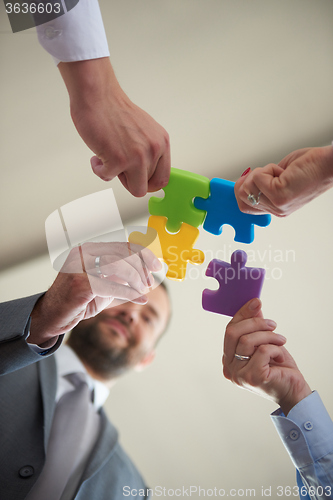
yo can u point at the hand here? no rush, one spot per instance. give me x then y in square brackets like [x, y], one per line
[79, 292]
[128, 142]
[297, 179]
[271, 371]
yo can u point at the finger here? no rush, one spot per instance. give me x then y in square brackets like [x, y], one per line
[100, 170]
[145, 269]
[139, 267]
[241, 196]
[147, 256]
[108, 170]
[127, 270]
[248, 344]
[270, 181]
[252, 184]
[249, 372]
[266, 181]
[258, 371]
[123, 180]
[236, 331]
[124, 271]
[135, 179]
[160, 177]
[250, 325]
[73, 263]
[111, 254]
[265, 206]
[246, 347]
[102, 303]
[148, 260]
[251, 309]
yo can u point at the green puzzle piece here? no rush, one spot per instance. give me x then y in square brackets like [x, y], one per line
[177, 204]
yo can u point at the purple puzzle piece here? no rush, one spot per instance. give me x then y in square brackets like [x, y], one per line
[238, 284]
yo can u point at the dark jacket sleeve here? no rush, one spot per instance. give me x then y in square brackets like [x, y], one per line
[15, 352]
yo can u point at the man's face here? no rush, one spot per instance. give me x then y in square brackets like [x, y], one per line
[121, 337]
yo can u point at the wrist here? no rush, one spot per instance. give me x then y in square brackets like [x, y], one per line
[39, 333]
[330, 163]
[90, 81]
[325, 160]
[44, 345]
[294, 397]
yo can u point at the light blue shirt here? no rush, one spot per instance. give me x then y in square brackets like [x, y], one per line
[307, 434]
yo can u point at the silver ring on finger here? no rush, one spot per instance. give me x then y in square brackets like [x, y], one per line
[98, 269]
[242, 358]
[254, 200]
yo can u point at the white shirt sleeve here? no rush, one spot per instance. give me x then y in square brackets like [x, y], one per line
[77, 35]
[307, 434]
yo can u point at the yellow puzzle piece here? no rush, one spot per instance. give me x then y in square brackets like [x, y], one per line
[176, 249]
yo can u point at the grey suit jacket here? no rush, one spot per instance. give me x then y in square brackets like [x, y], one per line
[28, 384]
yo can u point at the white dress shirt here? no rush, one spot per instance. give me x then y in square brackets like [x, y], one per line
[68, 362]
[77, 35]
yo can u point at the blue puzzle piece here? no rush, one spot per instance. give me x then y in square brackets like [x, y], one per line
[222, 208]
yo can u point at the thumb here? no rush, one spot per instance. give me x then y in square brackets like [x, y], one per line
[252, 309]
[241, 180]
[100, 170]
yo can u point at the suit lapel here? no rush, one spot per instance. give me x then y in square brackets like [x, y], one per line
[48, 383]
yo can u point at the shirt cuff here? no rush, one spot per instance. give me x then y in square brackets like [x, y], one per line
[77, 35]
[307, 431]
[41, 350]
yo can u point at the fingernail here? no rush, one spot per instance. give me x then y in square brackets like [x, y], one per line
[271, 323]
[143, 299]
[246, 172]
[254, 304]
[281, 337]
[157, 266]
[143, 288]
[150, 280]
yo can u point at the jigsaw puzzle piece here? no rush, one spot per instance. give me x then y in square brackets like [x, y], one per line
[176, 249]
[149, 240]
[222, 208]
[238, 284]
[177, 204]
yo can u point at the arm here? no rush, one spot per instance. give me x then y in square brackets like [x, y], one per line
[77, 35]
[127, 142]
[75, 295]
[307, 434]
[14, 330]
[271, 372]
[296, 180]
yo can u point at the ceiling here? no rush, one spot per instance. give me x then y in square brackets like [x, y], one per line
[235, 83]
